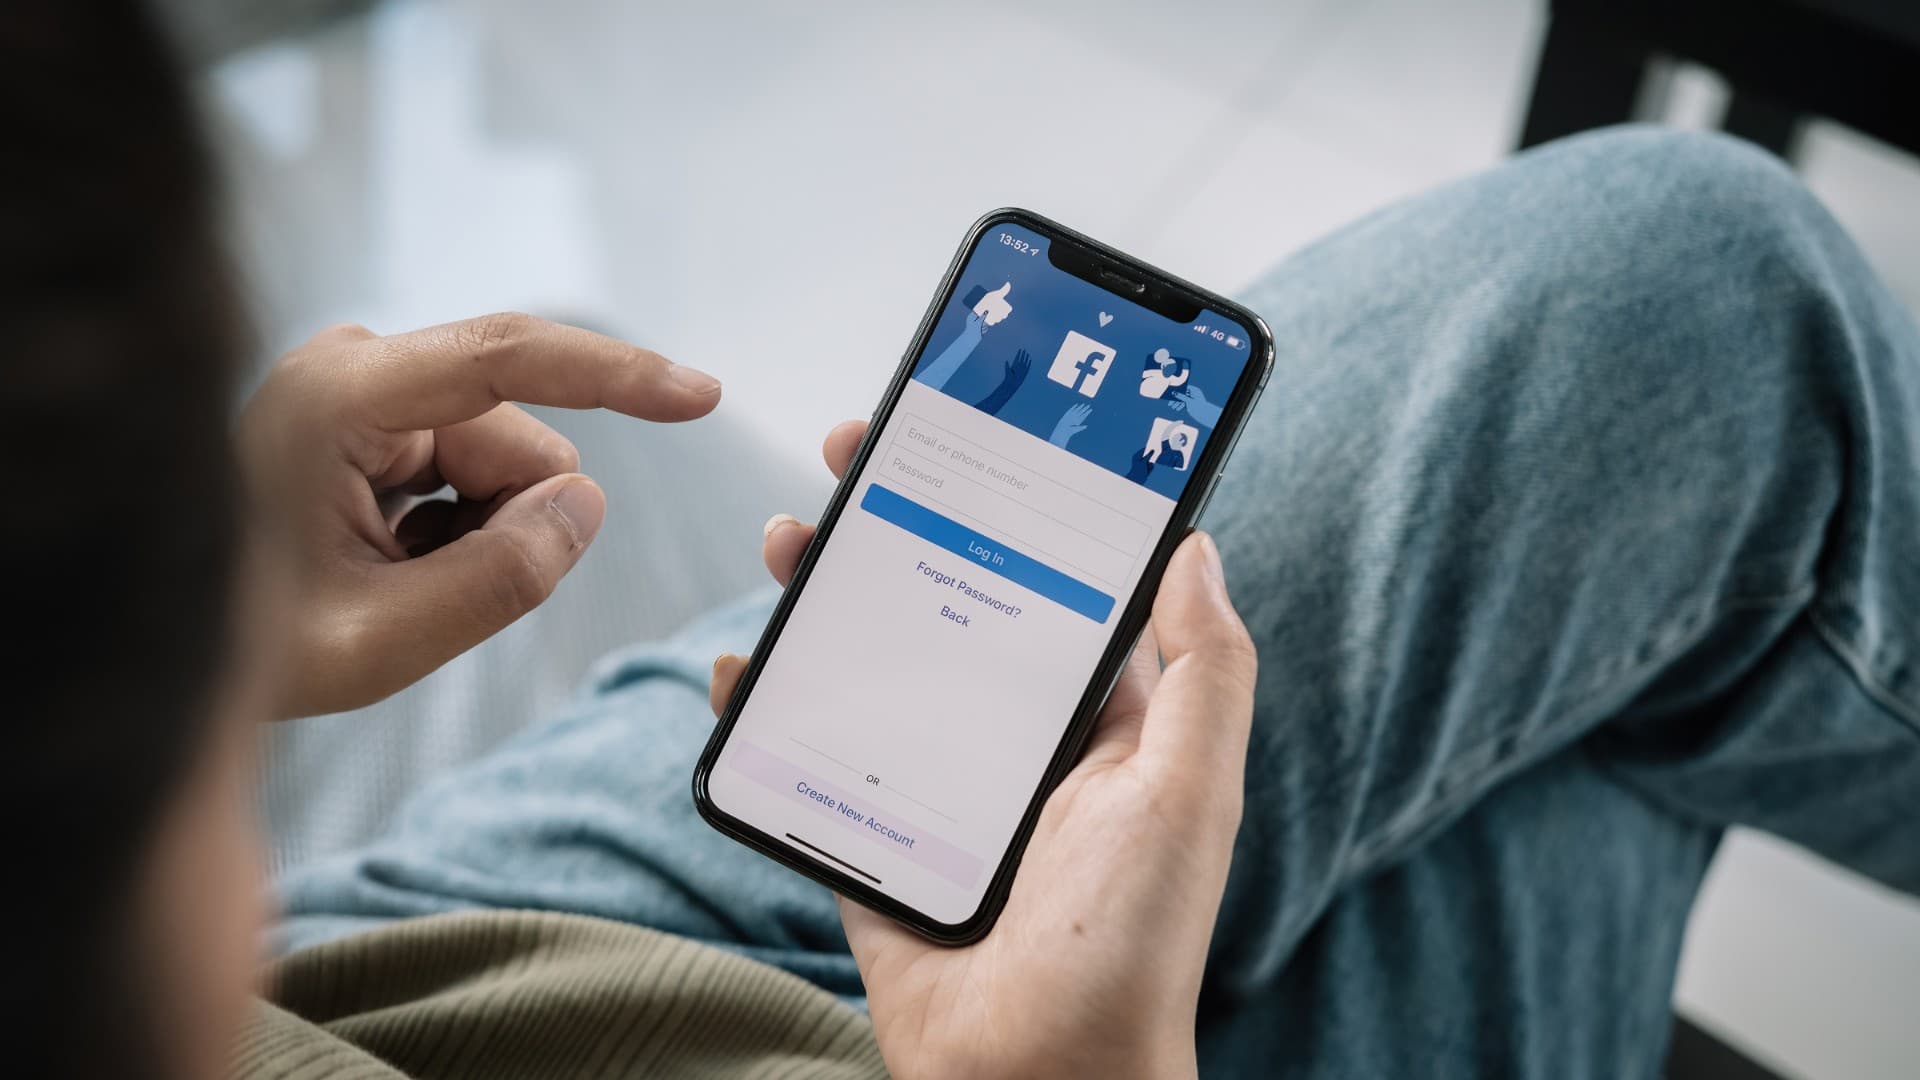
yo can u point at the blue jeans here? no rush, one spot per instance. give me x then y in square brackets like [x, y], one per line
[1578, 524]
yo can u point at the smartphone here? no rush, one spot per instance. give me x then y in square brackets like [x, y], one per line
[981, 573]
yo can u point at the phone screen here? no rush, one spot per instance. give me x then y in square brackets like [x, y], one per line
[928, 671]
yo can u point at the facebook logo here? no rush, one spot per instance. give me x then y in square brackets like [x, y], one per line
[1081, 363]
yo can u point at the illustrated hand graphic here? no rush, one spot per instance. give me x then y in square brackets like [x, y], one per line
[994, 306]
[1017, 367]
[1014, 373]
[1204, 412]
[1142, 465]
[1071, 423]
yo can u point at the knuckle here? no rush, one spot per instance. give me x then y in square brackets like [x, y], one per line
[301, 385]
[491, 333]
[515, 582]
[564, 456]
[1244, 655]
[1186, 793]
[345, 331]
[555, 452]
[1164, 800]
[1235, 657]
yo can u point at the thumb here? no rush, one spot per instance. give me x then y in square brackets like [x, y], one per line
[1002, 291]
[457, 596]
[1200, 714]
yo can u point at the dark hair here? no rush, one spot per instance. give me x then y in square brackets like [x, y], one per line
[117, 321]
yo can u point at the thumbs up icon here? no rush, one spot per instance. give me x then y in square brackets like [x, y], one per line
[993, 306]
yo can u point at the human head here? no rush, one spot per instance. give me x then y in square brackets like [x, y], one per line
[131, 904]
[1174, 368]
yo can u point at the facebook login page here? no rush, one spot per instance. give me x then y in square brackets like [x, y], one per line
[929, 670]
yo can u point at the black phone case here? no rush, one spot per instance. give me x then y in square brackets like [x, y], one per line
[1126, 631]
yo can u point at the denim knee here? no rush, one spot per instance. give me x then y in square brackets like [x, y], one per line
[1674, 312]
[1627, 334]
[1638, 214]
[1686, 225]
[1690, 178]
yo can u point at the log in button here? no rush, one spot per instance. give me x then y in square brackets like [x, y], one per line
[987, 553]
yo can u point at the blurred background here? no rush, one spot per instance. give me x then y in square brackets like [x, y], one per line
[725, 184]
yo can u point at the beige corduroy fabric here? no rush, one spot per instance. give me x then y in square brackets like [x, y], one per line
[540, 995]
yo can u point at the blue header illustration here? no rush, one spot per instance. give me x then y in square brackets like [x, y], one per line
[1088, 371]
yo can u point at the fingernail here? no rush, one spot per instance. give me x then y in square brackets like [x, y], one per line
[779, 521]
[580, 507]
[693, 379]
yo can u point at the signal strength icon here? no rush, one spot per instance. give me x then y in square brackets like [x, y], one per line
[1201, 328]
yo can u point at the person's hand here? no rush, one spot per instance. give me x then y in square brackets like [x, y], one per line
[1094, 967]
[351, 427]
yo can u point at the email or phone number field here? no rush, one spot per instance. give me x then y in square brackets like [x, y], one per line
[1012, 500]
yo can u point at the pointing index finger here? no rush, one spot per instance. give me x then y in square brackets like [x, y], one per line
[443, 375]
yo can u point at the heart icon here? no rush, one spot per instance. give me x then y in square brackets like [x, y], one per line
[1105, 318]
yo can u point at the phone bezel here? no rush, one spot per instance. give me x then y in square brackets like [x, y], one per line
[1126, 630]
